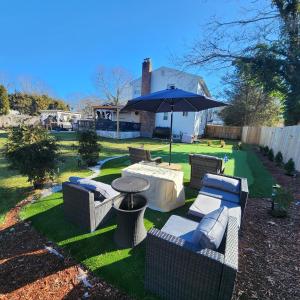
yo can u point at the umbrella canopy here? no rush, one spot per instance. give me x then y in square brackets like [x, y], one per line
[172, 100]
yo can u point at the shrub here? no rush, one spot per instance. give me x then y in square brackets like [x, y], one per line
[290, 167]
[266, 151]
[222, 143]
[33, 153]
[271, 155]
[282, 200]
[88, 147]
[261, 149]
[279, 159]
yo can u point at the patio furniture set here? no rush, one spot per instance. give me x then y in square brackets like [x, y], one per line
[192, 257]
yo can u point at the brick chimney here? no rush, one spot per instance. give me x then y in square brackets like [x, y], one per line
[147, 119]
[146, 76]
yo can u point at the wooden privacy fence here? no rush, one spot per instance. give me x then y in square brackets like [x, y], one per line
[223, 132]
[283, 139]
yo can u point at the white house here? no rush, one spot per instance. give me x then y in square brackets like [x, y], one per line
[192, 123]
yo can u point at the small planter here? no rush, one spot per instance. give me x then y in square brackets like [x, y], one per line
[281, 200]
[278, 210]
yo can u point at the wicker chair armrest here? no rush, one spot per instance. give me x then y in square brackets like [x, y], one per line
[231, 246]
[230, 266]
[158, 159]
[244, 194]
[116, 201]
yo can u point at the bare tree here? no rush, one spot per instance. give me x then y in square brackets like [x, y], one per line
[30, 85]
[112, 82]
[267, 40]
[6, 81]
[85, 105]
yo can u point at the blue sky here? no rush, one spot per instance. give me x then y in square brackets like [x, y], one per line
[62, 42]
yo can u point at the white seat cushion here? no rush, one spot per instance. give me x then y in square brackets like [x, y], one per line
[180, 227]
[204, 205]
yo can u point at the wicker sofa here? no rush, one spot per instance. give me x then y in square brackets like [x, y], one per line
[138, 154]
[202, 164]
[175, 269]
[81, 208]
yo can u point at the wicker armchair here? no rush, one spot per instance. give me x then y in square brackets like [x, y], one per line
[176, 270]
[236, 210]
[138, 154]
[80, 207]
[202, 164]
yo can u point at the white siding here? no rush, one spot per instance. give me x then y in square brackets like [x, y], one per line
[181, 124]
[161, 79]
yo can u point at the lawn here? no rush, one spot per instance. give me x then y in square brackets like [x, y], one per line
[14, 187]
[125, 268]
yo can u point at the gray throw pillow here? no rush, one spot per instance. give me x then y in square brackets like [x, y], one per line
[224, 183]
[210, 231]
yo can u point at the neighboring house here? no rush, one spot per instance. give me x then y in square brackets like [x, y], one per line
[162, 78]
[59, 119]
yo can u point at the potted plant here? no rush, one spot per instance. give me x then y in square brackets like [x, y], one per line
[281, 201]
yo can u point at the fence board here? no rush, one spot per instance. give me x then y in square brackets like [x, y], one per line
[284, 139]
[223, 132]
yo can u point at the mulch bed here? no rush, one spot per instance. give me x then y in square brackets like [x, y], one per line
[29, 271]
[269, 264]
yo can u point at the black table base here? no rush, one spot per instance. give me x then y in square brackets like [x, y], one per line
[130, 222]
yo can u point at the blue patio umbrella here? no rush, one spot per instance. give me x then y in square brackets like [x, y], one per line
[172, 100]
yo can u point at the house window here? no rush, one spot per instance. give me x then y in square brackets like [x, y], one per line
[165, 116]
[171, 86]
[185, 113]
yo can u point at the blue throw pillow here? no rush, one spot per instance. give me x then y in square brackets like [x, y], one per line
[210, 231]
[224, 183]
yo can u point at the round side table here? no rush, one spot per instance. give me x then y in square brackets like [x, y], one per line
[130, 214]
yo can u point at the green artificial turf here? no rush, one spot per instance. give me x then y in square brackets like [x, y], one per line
[125, 268]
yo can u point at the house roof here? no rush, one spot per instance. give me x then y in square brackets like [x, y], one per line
[58, 110]
[108, 106]
[197, 77]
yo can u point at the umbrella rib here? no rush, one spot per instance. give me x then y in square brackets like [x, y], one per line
[160, 105]
[196, 109]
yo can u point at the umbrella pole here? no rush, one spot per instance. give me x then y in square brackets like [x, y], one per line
[171, 137]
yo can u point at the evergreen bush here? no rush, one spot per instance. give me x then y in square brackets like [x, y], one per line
[290, 167]
[279, 159]
[271, 155]
[33, 153]
[88, 147]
